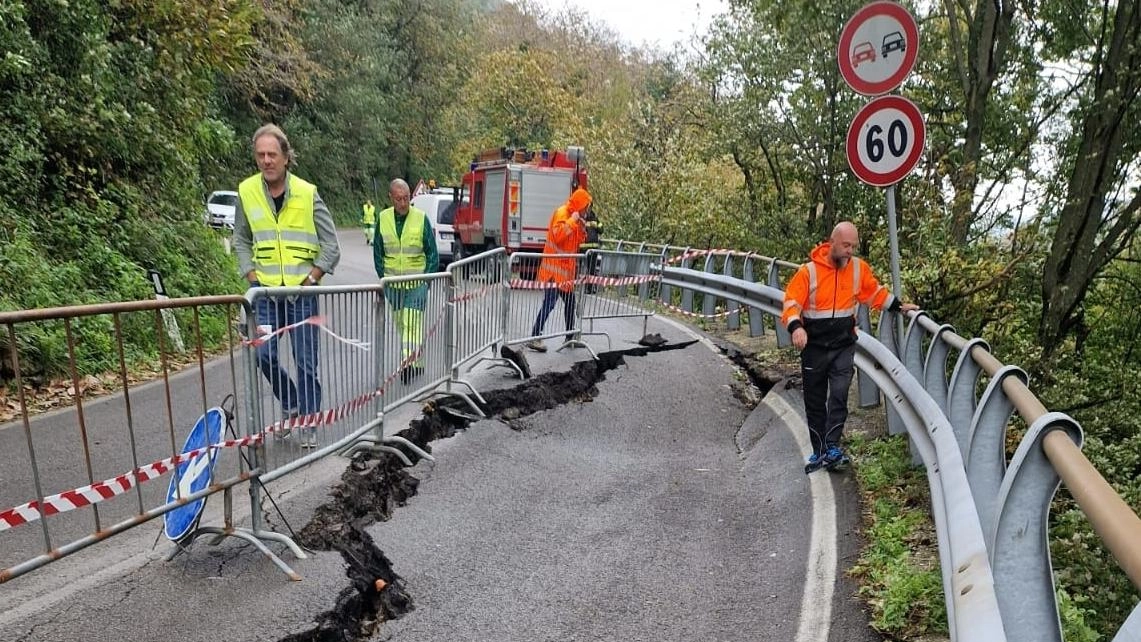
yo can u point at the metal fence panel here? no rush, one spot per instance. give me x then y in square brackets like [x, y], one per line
[83, 477]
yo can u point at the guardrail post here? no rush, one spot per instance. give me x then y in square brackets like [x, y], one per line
[868, 393]
[935, 368]
[756, 316]
[708, 301]
[644, 263]
[783, 338]
[912, 352]
[912, 358]
[961, 401]
[687, 294]
[1020, 551]
[986, 446]
[733, 321]
[887, 333]
[665, 292]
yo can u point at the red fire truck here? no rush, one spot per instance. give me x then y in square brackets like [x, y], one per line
[509, 196]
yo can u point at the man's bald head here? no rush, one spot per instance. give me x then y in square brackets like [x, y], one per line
[845, 238]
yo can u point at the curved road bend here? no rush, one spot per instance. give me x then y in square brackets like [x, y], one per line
[661, 510]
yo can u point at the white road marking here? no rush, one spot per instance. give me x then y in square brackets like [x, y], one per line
[820, 575]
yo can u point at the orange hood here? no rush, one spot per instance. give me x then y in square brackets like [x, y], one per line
[578, 201]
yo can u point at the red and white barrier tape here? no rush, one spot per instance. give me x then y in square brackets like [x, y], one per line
[521, 284]
[468, 296]
[108, 488]
[696, 253]
[315, 320]
[687, 313]
[104, 490]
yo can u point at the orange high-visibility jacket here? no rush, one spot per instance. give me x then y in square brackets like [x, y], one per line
[563, 237]
[823, 299]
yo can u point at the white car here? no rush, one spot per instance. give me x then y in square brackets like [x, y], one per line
[220, 209]
[440, 206]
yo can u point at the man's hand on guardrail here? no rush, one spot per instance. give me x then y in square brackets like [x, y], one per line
[908, 307]
[799, 338]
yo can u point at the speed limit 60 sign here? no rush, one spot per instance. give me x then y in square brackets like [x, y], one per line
[886, 140]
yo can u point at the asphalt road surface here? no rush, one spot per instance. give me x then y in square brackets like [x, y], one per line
[658, 508]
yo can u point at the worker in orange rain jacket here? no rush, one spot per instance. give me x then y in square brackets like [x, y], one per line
[565, 232]
[820, 314]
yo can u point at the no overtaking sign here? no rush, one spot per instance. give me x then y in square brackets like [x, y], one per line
[878, 48]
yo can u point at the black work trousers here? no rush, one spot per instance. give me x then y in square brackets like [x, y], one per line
[827, 375]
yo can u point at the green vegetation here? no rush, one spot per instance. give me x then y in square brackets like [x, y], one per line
[905, 594]
[117, 117]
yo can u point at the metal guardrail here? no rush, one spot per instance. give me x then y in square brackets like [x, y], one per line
[991, 515]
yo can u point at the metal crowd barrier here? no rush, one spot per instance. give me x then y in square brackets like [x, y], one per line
[88, 482]
[479, 297]
[991, 515]
[617, 285]
[538, 310]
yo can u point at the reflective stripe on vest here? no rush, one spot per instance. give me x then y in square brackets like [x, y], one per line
[404, 254]
[816, 312]
[285, 243]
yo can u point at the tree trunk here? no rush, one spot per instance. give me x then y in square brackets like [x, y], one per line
[1090, 232]
[980, 61]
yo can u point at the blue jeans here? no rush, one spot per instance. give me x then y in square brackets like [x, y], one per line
[550, 300]
[304, 396]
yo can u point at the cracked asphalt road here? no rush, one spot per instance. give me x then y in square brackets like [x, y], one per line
[660, 510]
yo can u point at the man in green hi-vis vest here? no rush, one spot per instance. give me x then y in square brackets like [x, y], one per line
[368, 221]
[405, 245]
[285, 236]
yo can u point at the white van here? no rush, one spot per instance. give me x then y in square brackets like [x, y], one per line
[440, 207]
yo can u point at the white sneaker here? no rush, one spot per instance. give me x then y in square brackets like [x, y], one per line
[536, 345]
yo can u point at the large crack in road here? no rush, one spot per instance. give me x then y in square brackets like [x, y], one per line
[373, 486]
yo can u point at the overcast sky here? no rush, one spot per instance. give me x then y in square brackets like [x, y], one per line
[660, 23]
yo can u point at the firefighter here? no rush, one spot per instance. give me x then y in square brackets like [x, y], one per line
[285, 236]
[368, 221]
[565, 233]
[407, 246]
[593, 242]
[820, 314]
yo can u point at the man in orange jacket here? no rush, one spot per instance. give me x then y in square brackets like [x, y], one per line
[565, 232]
[820, 314]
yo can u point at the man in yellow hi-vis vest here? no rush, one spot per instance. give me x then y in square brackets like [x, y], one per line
[368, 221]
[285, 236]
[406, 246]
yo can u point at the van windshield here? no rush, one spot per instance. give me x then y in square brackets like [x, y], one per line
[446, 212]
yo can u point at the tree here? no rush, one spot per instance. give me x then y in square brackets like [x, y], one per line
[1102, 206]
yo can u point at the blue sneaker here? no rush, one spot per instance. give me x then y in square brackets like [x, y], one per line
[815, 461]
[834, 458]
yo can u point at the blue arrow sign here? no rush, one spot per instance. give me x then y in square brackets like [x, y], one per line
[194, 475]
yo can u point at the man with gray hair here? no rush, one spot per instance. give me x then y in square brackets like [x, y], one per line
[285, 236]
[404, 244]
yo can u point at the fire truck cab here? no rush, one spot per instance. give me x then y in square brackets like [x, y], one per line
[509, 196]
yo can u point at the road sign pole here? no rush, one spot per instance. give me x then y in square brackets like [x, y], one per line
[893, 237]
